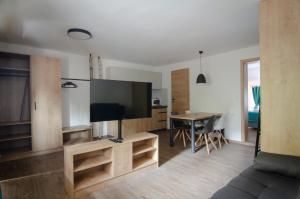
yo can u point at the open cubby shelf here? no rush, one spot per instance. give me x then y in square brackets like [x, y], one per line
[144, 153]
[142, 149]
[92, 167]
[14, 137]
[93, 176]
[75, 141]
[142, 162]
[91, 162]
[92, 159]
[16, 151]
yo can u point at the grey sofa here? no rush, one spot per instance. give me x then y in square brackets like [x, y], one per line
[271, 177]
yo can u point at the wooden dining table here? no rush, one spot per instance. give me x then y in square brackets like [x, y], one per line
[192, 118]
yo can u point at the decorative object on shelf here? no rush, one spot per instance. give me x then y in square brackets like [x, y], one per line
[79, 34]
[96, 67]
[201, 78]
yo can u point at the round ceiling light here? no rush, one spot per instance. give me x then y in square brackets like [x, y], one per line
[79, 34]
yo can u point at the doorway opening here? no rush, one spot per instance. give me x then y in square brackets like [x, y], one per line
[250, 90]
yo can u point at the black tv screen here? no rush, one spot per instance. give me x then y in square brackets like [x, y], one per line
[117, 100]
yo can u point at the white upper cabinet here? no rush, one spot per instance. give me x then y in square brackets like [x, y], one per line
[127, 74]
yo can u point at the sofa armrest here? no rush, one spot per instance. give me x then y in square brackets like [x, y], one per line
[281, 164]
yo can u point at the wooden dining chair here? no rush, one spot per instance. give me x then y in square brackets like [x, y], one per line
[198, 124]
[218, 127]
[182, 132]
[206, 134]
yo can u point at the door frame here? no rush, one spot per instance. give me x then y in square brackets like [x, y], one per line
[244, 97]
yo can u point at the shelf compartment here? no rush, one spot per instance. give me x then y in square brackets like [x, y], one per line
[144, 153]
[14, 123]
[143, 160]
[143, 146]
[92, 159]
[6, 154]
[14, 137]
[92, 176]
[142, 149]
[91, 162]
[19, 72]
[75, 141]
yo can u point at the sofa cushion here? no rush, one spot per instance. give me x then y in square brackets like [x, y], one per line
[282, 164]
[254, 184]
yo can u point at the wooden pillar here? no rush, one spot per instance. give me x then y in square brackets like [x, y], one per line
[280, 76]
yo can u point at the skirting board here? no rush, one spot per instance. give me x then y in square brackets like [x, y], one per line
[242, 143]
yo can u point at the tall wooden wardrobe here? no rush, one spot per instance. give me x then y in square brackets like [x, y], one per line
[30, 104]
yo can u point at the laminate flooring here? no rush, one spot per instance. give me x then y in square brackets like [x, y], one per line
[181, 175]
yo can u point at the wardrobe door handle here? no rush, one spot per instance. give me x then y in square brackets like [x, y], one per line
[34, 105]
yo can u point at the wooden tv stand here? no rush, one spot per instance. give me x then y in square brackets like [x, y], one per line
[90, 163]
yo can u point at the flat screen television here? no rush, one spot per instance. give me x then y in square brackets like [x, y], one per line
[118, 100]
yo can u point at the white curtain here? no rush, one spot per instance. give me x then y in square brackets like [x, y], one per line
[96, 72]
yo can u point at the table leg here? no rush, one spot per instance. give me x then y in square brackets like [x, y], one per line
[193, 136]
[171, 141]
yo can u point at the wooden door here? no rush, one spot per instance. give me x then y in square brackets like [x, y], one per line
[180, 91]
[45, 103]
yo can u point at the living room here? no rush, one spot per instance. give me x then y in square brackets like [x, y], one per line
[144, 99]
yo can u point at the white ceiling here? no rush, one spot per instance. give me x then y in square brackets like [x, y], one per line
[153, 32]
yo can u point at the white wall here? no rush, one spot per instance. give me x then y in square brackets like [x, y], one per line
[75, 102]
[222, 92]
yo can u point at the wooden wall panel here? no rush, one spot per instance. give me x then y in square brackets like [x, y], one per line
[280, 76]
[45, 103]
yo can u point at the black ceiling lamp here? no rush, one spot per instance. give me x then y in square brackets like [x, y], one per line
[79, 34]
[201, 78]
[69, 85]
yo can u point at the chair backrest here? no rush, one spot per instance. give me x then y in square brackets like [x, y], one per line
[209, 127]
[219, 123]
[178, 124]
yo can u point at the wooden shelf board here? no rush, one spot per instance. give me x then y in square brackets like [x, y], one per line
[76, 129]
[142, 162]
[142, 149]
[76, 141]
[15, 137]
[91, 162]
[15, 69]
[7, 154]
[14, 123]
[91, 179]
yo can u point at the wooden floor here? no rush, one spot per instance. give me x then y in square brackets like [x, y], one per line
[251, 135]
[181, 175]
[31, 166]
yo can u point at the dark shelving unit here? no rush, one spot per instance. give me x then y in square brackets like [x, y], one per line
[15, 125]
